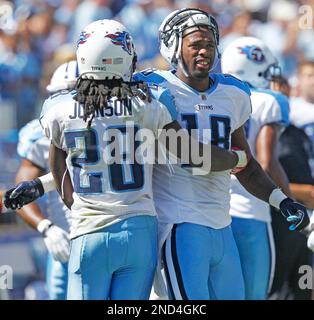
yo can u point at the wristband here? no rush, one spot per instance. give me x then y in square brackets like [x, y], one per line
[47, 182]
[276, 197]
[242, 162]
[43, 226]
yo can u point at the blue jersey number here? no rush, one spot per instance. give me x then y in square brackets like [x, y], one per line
[87, 142]
[220, 128]
[123, 177]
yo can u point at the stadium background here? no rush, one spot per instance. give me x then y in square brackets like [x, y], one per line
[38, 35]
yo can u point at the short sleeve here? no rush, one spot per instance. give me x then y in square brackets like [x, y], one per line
[51, 124]
[39, 153]
[240, 93]
[277, 111]
[156, 117]
[164, 96]
[245, 110]
[28, 136]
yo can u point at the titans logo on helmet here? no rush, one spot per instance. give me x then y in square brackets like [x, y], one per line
[121, 39]
[253, 53]
[83, 37]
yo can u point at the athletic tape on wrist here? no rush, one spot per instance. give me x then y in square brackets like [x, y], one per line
[242, 162]
[43, 226]
[276, 197]
[48, 182]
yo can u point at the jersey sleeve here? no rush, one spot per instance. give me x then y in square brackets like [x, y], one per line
[51, 123]
[276, 110]
[39, 153]
[240, 93]
[246, 110]
[157, 117]
[30, 144]
[163, 110]
[149, 76]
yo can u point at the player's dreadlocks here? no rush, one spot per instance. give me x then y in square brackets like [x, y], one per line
[94, 94]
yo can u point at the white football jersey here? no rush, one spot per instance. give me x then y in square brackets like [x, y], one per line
[34, 146]
[105, 193]
[268, 107]
[181, 196]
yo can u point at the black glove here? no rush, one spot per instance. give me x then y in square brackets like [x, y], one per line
[24, 193]
[295, 213]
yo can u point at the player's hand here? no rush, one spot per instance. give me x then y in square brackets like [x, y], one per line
[295, 213]
[242, 162]
[22, 194]
[56, 240]
[310, 241]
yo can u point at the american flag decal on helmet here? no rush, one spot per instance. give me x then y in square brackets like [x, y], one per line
[121, 39]
[107, 61]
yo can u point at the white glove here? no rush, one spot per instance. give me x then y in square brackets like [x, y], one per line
[56, 240]
[310, 241]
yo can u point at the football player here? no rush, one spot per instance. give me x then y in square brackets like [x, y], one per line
[250, 60]
[200, 254]
[33, 148]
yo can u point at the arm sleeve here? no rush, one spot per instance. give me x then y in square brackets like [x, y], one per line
[51, 124]
[276, 111]
[31, 144]
[39, 153]
[157, 117]
[162, 110]
[29, 134]
[246, 110]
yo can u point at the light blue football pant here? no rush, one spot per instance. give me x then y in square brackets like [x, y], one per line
[117, 262]
[56, 279]
[202, 263]
[255, 244]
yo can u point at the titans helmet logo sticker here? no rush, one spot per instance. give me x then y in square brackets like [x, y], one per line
[253, 53]
[83, 38]
[121, 39]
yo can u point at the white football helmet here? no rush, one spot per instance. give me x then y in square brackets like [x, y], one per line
[105, 50]
[172, 28]
[64, 78]
[250, 60]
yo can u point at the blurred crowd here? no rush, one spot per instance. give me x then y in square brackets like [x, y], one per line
[38, 35]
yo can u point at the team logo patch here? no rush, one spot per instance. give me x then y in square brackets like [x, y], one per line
[253, 53]
[121, 39]
[83, 38]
